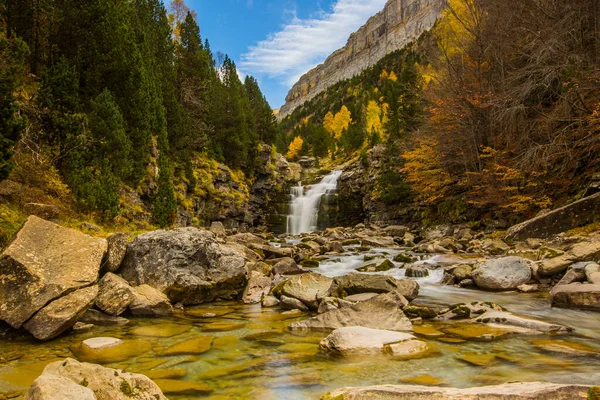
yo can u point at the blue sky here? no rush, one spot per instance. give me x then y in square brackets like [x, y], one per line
[278, 41]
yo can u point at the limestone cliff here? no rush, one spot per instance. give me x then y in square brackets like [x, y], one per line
[400, 22]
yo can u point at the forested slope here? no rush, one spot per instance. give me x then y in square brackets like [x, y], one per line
[495, 113]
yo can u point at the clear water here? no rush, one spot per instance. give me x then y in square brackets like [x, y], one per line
[283, 365]
[304, 205]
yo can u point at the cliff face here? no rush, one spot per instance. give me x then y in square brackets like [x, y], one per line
[400, 22]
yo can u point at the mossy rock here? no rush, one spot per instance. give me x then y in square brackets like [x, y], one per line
[427, 331]
[403, 258]
[223, 326]
[386, 265]
[309, 263]
[350, 242]
[566, 347]
[476, 332]
[477, 359]
[594, 393]
[422, 312]
[370, 258]
[276, 291]
[425, 380]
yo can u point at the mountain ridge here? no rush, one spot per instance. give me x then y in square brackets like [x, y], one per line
[399, 23]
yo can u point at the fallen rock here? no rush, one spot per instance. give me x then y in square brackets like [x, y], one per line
[114, 295]
[272, 251]
[310, 288]
[407, 350]
[52, 387]
[286, 266]
[350, 284]
[506, 273]
[355, 340]
[42, 263]
[115, 254]
[258, 286]
[290, 303]
[584, 251]
[150, 302]
[45, 211]
[381, 312]
[187, 264]
[381, 242]
[109, 350]
[512, 391]
[417, 271]
[382, 266]
[218, 229]
[578, 213]
[106, 383]
[576, 295]
[61, 314]
[505, 319]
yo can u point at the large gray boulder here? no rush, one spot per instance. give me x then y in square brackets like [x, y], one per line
[105, 383]
[381, 312]
[579, 252]
[507, 391]
[578, 213]
[114, 295]
[576, 295]
[52, 387]
[259, 286]
[310, 288]
[117, 247]
[351, 284]
[356, 340]
[42, 263]
[187, 264]
[499, 274]
[61, 314]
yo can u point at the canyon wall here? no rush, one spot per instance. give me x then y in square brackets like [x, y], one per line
[399, 23]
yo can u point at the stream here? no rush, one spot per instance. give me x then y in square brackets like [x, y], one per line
[253, 356]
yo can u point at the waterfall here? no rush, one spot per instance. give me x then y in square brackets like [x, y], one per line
[304, 207]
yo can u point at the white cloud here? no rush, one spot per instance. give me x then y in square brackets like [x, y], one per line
[304, 43]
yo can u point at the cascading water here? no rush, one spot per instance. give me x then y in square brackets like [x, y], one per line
[304, 207]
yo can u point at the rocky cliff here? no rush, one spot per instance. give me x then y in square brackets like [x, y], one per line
[400, 22]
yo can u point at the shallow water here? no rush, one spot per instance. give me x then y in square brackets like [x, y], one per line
[274, 363]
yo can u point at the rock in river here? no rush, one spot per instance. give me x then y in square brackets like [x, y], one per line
[350, 284]
[105, 383]
[114, 295]
[42, 263]
[380, 312]
[309, 288]
[359, 340]
[506, 273]
[187, 264]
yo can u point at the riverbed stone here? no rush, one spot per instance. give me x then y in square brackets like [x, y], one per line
[310, 288]
[507, 320]
[61, 314]
[382, 266]
[52, 387]
[407, 350]
[114, 295]
[381, 312]
[499, 274]
[592, 273]
[258, 286]
[109, 350]
[115, 254]
[196, 345]
[160, 330]
[512, 391]
[381, 242]
[290, 303]
[355, 340]
[576, 295]
[187, 264]
[272, 251]
[584, 251]
[343, 286]
[106, 383]
[567, 347]
[150, 302]
[44, 262]
[286, 266]
[180, 388]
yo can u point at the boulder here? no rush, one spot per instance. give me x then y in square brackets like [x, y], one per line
[584, 251]
[45, 211]
[187, 264]
[218, 229]
[592, 273]
[61, 314]
[528, 325]
[382, 242]
[333, 303]
[380, 312]
[115, 254]
[286, 266]
[245, 239]
[416, 271]
[52, 387]
[507, 391]
[576, 295]
[506, 273]
[310, 288]
[382, 266]
[150, 302]
[356, 340]
[396, 230]
[578, 213]
[114, 294]
[42, 263]
[290, 303]
[350, 284]
[407, 349]
[258, 286]
[105, 383]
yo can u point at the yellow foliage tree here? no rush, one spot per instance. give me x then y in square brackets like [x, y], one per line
[342, 120]
[374, 123]
[424, 172]
[295, 148]
[328, 122]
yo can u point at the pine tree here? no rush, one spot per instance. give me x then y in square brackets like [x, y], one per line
[164, 204]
